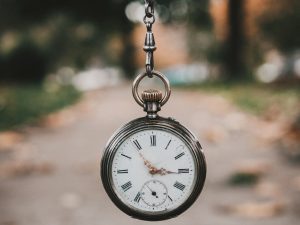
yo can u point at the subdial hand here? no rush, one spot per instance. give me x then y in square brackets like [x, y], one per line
[152, 192]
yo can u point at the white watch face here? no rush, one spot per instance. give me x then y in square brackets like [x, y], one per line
[153, 171]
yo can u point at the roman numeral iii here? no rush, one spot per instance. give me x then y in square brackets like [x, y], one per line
[183, 170]
[122, 171]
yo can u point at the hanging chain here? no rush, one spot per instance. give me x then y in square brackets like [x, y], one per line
[149, 46]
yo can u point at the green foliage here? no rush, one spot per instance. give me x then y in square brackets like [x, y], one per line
[60, 33]
[27, 63]
[243, 179]
[256, 98]
[23, 104]
[194, 12]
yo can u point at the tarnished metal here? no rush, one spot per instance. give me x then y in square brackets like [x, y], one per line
[149, 46]
[152, 95]
[149, 8]
[140, 77]
[159, 123]
[152, 99]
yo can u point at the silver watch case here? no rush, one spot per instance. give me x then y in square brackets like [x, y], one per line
[158, 123]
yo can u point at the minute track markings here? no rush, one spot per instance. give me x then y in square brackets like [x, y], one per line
[159, 150]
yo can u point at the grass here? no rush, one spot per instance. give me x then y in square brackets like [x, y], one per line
[243, 179]
[256, 98]
[25, 104]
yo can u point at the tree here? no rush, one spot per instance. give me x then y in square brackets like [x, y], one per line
[108, 16]
[234, 46]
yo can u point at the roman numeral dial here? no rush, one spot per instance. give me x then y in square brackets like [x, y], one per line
[153, 170]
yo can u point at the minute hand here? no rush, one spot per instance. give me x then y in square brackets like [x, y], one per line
[163, 172]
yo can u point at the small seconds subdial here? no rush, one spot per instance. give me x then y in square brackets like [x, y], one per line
[154, 193]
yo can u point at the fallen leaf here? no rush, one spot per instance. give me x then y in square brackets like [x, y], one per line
[215, 134]
[256, 210]
[70, 200]
[9, 139]
[268, 189]
[296, 183]
[21, 168]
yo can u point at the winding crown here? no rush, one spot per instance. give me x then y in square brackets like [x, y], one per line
[151, 95]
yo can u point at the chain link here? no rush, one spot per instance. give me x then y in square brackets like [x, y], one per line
[149, 8]
[149, 46]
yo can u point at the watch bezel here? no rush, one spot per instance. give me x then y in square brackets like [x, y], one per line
[160, 123]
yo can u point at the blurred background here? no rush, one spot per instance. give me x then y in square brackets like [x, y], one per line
[65, 75]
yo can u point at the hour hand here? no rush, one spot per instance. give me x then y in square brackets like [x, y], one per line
[152, 169]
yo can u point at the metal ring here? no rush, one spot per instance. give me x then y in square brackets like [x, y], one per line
[140, 77]
[150, 20]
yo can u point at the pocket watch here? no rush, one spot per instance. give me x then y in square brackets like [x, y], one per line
[153, 168]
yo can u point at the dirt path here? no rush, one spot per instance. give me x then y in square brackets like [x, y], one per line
[50, 173]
